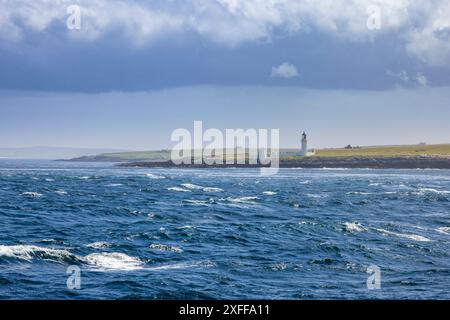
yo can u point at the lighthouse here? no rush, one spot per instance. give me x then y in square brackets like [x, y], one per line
[304, 151]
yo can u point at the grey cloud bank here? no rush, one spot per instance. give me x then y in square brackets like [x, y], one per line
[140, 45]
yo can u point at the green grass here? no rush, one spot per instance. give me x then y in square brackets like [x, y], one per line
[140, 155]
[442, 150]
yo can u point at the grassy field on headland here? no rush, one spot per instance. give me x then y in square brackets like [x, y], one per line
[438, 150]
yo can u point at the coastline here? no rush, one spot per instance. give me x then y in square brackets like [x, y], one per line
[418, 162]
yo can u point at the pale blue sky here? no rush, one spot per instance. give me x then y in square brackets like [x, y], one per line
[145, 120]
[136, 70]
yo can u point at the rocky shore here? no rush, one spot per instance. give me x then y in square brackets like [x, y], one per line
[428, 162]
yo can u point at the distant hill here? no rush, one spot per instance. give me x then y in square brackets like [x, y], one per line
[159, 155]
[51, 152]
[162, 155]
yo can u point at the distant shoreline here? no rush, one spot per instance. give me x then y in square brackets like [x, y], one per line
[419, 162]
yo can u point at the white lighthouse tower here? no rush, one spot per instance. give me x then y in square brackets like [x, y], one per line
[304, 151]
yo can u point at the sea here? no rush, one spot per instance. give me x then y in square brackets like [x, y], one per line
[98, 231]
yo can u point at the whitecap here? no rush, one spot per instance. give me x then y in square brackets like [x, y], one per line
[249, 200]
[164, 247]
[445, 230]
[197, 202]
[279, 266]
[269, 193]
[431, 190]
[178, 189]
[192, 186]
[49, 180]
[98, 245]
[185, 227]
[29, 252]
[114, 185]
[307, 223]
[414, 237]
[154, 176]
[212, 189]
[113, 261]
[32, 194]
[61, 192]
[354, 226]
[184, 265]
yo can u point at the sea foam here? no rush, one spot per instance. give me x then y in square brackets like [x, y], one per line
[32, 194]
[30, 252]
[354, 226]
[154, 176]
[178, 189]
[164, 247]
[414, 237]
[99, 245]
[113, 261]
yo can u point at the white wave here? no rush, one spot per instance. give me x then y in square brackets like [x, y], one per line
[250, 200]
[28, 252]
[354, 226]
[154, 176]
[310, 223]
[192, 186]
[61, 192]
[374, 184]
[178, 189]
[445, 230]
[212, 189]
[32, 194]
[279, 266]
[269, 193]
[107, 261]
[84, 177]
[164, 247]
[197, 202]
[431, 190]
[49, 180]
[114, 185]
[414, 237]
[98, 245]
[185, 227]
[184, 265]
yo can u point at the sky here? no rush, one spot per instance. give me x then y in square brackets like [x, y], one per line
[125, 74]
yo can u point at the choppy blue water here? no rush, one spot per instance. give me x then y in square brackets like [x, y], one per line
[222, 233]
